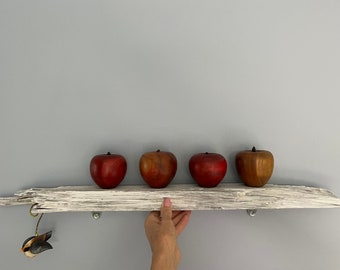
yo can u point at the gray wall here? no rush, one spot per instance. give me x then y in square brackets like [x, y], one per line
[78, 78]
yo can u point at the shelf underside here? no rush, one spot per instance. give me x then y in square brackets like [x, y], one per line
[227, 196]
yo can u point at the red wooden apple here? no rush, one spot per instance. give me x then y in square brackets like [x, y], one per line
[207, 169]
[255, 167]
[109, 170]
[158, 168]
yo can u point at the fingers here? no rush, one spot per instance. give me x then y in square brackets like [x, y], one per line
[176, 217]
[178, 220]
[175, 214]
[182, 221]
[166, 210]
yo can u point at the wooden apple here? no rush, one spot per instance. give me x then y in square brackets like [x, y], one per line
[255, 167]
[207, 169]
[158, 168]
[108, 170]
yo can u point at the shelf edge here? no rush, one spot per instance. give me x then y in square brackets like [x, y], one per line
[227, 196]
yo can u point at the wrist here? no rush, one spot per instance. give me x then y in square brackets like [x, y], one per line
[165, 260]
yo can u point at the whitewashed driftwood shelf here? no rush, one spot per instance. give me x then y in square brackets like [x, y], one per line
[227, 196]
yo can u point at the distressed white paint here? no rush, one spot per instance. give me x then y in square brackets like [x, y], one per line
[7, 201]
[229, 196]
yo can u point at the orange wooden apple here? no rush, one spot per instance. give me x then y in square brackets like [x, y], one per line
[255, 167]
[158, 168]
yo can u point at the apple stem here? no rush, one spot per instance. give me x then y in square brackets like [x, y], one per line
[158, 150]
[253, 149]
[108, 153]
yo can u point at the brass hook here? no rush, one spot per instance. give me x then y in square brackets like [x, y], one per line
[36, 227]
[35, 215]
[31, 213]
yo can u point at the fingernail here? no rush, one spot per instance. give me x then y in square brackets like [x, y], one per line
[167, 202]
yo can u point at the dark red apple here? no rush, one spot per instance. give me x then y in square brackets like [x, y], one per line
[109, 170]
[207, 169]
[158, 168]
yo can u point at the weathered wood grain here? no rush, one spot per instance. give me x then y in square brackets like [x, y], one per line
[9, 201]
[227, 196]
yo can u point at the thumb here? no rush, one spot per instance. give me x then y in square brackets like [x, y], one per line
[166, 209]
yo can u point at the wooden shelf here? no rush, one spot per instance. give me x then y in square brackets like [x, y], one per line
[227, 196]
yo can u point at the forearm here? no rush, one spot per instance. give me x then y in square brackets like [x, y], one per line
[165, 261]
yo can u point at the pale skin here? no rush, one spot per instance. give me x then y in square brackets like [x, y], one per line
[162, 229]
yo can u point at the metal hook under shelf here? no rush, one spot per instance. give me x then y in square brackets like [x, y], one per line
[251, 212]
[31, 210]
[96, 215]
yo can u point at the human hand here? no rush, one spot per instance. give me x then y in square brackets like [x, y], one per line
[162, 229]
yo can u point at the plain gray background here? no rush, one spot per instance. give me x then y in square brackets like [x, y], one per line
[79, 78]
